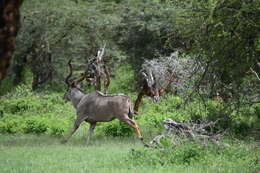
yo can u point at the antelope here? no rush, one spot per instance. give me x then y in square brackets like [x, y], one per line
[97, 107]
[151, 89]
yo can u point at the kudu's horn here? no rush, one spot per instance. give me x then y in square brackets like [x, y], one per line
[70, 74]
[151, 77]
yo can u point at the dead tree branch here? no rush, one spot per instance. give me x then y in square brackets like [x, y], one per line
[200, 132]
[97, 71]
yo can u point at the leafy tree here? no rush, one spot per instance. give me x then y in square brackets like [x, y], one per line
[144, 30]
[54, 32]
[223, 35]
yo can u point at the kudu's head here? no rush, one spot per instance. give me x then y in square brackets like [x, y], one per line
[149, 87]
[74, 86]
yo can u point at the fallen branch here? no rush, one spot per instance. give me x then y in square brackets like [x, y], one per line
[176, 132]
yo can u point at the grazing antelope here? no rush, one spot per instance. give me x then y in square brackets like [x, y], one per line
[96, 107]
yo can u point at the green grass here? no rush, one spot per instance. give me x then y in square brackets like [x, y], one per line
[36, 154]
[46, 154]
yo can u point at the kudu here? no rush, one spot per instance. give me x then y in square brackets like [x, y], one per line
[150, 88]
[96, 107]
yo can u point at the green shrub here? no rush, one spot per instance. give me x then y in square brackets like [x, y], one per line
[57, 127]
[34, 103]
[35, 125]
[185, 154]
[56, 131]
[115, 128]
[14, 126]
[123, 80]
[38, 113]
[3, 127]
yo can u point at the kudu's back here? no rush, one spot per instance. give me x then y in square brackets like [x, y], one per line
[99, 108]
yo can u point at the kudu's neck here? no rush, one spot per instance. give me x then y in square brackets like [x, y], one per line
[76, 96]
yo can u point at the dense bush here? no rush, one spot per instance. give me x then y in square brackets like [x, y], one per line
[182, 155]
[115, 128]
[23, 111]
[12, 126]
[34, 125]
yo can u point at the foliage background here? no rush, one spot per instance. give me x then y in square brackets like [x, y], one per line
[222, 36]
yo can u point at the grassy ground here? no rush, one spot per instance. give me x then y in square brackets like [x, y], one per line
[44, 154]
[36, 154]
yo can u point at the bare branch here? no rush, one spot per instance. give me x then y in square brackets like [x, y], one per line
[255, 73]
[97, 71]
[101, 53]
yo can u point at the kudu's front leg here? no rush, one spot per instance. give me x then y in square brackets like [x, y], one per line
[90, 131]
[77, 123]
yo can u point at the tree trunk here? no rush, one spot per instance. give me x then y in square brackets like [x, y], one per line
[9, 25]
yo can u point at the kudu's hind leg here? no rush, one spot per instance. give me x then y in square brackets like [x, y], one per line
[77, 123]
[133, 124]
[90, 131]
